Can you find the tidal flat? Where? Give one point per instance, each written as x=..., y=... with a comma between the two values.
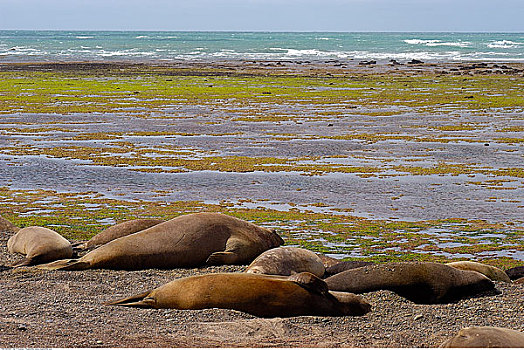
x=381, y=163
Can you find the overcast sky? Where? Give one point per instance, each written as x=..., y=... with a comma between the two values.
x=265, y=15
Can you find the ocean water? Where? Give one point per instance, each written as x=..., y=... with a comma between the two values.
x=27, y=46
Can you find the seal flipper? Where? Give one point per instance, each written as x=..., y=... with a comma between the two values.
x=310, y=282
x=222, y=258
x=66, y=264
x=139, y=300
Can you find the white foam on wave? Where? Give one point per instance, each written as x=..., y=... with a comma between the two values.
x=141, y=37
x=503, y=44
x=83, y=37
x=434, y=42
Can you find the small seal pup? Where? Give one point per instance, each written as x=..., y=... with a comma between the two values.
x=7, y=226
x=287, y=261
x=420, y=282
x=491, y=272
x=185, y=241
x=40, y=245
x=119, y=230
x=515, y=272
x=259, y=295
x=485, y=337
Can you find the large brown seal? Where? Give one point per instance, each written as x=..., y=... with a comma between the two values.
x=120, y=230
x=185, y=241
x=346, y=265
x=486, y=337
x=287, y=261
x=515, y=272
x=40, y=245
x=420, y=282
x=491, y=272
x=7, y=226
x=259, y=295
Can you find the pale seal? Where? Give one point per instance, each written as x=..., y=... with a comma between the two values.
x=491, y=272
x=259, y=295
x=420, y=282
x=185, y=241
x=486, y=337
x=40, y=245
x=120, y=230
x=286, y=261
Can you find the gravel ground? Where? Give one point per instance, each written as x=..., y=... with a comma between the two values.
x=65, y=309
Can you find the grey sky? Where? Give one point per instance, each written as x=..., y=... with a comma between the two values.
x=265, y=15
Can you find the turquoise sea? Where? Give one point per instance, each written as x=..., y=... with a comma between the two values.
x=27, y=46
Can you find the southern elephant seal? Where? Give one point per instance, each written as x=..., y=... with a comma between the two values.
x=346, y=265
x=491, y=272
x=120, y=230
x=259, y=295
x=515, y=272
x=420, y=282
x=519, y=280
x=485, y=337
x=185, y=241
x=40, y=245
x=7, y=226
x=286, y=261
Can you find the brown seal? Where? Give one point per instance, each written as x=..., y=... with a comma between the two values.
x=327, y=260
x=420, y=282
x=259, y=295
x=287, y=261
x=7, y=226
x=120, y=230
x=346, y=265
x=40, y=245
x=185, y=241
x=486, y=337
x=491, y=272
x=515, y=272
x=519, y=280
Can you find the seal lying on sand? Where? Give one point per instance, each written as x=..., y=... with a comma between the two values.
x=7, y=226
x=120, y=230
x=346, y=265
x=40, y=245
x=420, y=282
x=185, y=241
x=515, y=272
x=287, y=261
x=486, y=337
x=491, y=272
x=259, y=295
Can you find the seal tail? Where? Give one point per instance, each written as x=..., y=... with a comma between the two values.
x=23, y=262
x=66, y=264
x=139, y=300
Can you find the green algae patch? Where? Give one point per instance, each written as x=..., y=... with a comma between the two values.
x=79, y=216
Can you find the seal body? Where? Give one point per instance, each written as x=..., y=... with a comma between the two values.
x=287, y=261
x=185, y=241
x=40, y=245
x=420, y=282
x=7, y=226
x=491, y=272
x=346, y=265
x=120, y=230
x=486, y=337
x=259, y=295
x=515, y=272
